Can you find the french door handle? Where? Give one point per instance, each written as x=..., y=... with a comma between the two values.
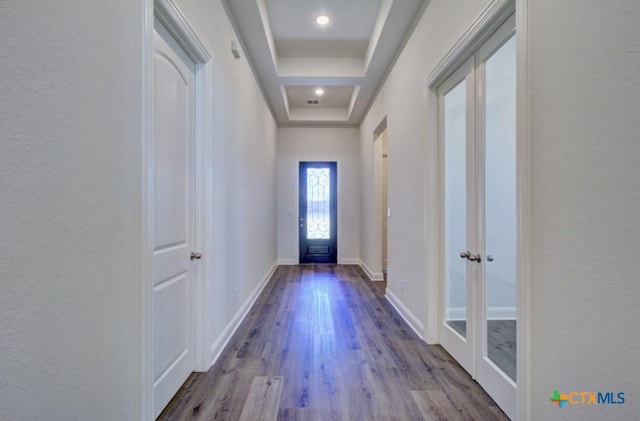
x=465, y=254
x=195, y=256
x=489, y=258
x=475, y=258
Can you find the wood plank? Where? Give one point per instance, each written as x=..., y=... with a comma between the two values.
x=263, y=400
x=435, y=405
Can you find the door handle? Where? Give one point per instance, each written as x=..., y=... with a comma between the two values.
x=489, y=258
x=475, y=258
x=465, y=254
x=195, y=256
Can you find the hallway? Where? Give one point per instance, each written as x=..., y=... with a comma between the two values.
x=321, y=342
x=84, y=197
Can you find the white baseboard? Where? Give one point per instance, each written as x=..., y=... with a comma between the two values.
x=501, y=313
x=224, y=338
x=413, y=322
x=372, y=275
x=493, y=313
x=343, y=261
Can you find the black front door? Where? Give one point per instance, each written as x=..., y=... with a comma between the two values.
x=318, y=209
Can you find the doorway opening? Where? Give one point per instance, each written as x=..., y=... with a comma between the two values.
x=382, y=170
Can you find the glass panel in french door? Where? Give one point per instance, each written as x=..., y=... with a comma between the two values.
x=455, y=196
x=500, y=207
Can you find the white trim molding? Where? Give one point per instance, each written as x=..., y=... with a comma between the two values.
x=349, y=261
x=493, y=313
x=480, y=30
x=523, y=157
x=414, y=323
x=170, y=15
x=374, y=276
x=287, y=262
x=221, y=342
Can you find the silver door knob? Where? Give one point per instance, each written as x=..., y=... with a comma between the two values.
x=195, y=256
x=475, y=258
x=465, y=254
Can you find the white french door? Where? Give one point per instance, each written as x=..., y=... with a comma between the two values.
x=477, y=109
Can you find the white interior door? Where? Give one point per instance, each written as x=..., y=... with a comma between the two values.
x=496, y=160
x=477, y=130
x=173, y=269
x=456, y=128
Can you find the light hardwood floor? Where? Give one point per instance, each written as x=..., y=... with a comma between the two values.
x=322, y=343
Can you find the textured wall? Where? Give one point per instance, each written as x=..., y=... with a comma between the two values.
x=585, y=149
x=70, y=232
x=70, y=226
x=318, y=144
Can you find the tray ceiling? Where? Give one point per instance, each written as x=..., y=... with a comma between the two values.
x=292, y=55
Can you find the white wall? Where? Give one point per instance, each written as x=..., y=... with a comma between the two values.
x=583, y=286
x=70, y=224
x=411, y=142
x=318, y=144
x=243, y=236
x=585, y=224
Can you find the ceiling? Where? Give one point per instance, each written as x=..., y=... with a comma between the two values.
x=292, y=56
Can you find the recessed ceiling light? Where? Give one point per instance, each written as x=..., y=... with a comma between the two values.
x=322, y=20
x=319, y=92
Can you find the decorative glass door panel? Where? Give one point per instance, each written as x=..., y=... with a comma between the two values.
x=318, y=212
x=318, y=203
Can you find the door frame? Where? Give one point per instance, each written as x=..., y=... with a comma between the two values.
x=470, y=351
x=174, y=21
x=475, y=35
